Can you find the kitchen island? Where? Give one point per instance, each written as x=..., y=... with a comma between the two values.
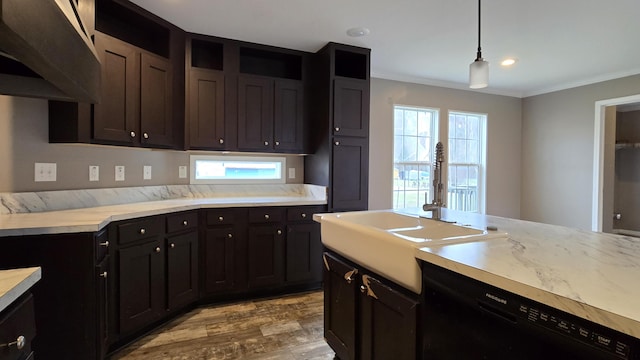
x=585, y=274
x=17, y=319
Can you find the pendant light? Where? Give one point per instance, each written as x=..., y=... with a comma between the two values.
x=479, y=69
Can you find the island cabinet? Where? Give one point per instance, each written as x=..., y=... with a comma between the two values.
x=18, y=329
x=72, y=300
x=367, y=316
x=339, y=134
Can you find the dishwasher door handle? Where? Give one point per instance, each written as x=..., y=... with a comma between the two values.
x=492, y=310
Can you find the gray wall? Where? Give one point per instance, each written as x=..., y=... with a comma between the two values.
x=558, y=148
x=503, y=143
x=24, y=133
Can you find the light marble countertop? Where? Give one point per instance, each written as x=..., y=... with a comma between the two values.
x=89, y=211
x=15, y=282
x=584, y=273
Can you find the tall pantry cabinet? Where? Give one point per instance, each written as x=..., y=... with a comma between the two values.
x=339, y=156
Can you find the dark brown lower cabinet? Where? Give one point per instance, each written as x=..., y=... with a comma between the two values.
x=17, y=321
x=266, y=256
x=366, y=316
x=303, y=253
x=182, y=270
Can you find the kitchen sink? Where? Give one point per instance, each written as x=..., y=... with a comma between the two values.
x=385, y=241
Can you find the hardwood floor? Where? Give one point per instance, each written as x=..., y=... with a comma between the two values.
x=283, y=328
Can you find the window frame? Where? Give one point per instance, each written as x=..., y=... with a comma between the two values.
x=281, y=160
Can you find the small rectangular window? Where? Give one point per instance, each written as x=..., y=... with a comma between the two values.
x=213, y=169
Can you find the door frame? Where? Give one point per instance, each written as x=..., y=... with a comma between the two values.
x=598, y=155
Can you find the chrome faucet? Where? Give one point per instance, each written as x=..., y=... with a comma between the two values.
x=438, y=203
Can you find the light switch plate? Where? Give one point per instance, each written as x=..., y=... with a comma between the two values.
x=119, y=173
x=292, y=173
x=182, y=172
x=146, y=172
x=94, y=173
x=45, y=172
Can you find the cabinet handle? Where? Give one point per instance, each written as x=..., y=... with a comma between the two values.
x=304, y=215
x=18, y=343
x=185, y=223
x=145, y=135
x=229, y=235
x=132, y=134
x=279, y=232
x=337, y=143
x=266, y=143
x=142, y=231
x=221, y=141
x=157, y=249
x=277, y=143
x=266, y=216
x=103, y=274
x=363, y=289
x=105, y=244
x=221, y=218
x=172, y=245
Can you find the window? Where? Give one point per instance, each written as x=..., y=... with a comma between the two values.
x=414, y=141
x=213, y=169
x=467, y=134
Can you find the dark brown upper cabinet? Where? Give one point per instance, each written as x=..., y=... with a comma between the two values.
x=351, y=107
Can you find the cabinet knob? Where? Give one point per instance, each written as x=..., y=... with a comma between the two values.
x=266, y=216
x=185, y=223
x=221, y=218
x=277, y=143
x=221, y=141
x=145, y=135
x=337, y=129
x=105, y=244
x=172, y=245
x=337, y=143
x=157, y=249
x=18, y=343
x=363, y=289
x=230, y=235
x=279, y=232
x=103, y=274
x=142, y=231
x=303, y=215
x=266, y=143
x=132, y=134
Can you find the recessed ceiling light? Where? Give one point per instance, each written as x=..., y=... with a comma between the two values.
x=358, y=31
x=508, y=61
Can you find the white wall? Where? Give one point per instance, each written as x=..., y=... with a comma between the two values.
x=557, y=151
x=503, y=143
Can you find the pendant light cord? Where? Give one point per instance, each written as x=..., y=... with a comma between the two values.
x=479, y=54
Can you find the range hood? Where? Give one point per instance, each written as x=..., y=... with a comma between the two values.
x=45, y=51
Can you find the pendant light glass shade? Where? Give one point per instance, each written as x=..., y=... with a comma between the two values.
x=479, y=74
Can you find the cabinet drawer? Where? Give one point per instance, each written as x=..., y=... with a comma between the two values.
x=18, y=321
x=141, y=229
x=266, y=215
x=182, y=221
x=102, y=245
x=221, y=217
x=303, y=213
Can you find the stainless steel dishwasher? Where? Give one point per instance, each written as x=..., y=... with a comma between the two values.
x=467, y=319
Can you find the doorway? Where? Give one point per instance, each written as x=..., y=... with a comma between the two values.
x=616, y=190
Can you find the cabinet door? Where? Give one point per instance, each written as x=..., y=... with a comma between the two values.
x=182, y=269
x=388, y=321
x=351, y=107
x=288, y=116
x=266, y=256
x=156, y=99
x=116, y=116
x=219, y=259
x=206, y=109
x=255, y=113
x=141, y=285
x=103, y=307
x=303, y=253
x=340, y=302
x=350, y=169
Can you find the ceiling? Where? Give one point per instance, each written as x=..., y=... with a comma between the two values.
x=558, y=43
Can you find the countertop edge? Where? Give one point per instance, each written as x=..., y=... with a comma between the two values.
x=15, y=282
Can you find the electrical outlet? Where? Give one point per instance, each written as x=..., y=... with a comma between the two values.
x=119, y=173
x=94, y=173
x=182, y=172
x=292, y=173
x=146, y=172
x=45, y=172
